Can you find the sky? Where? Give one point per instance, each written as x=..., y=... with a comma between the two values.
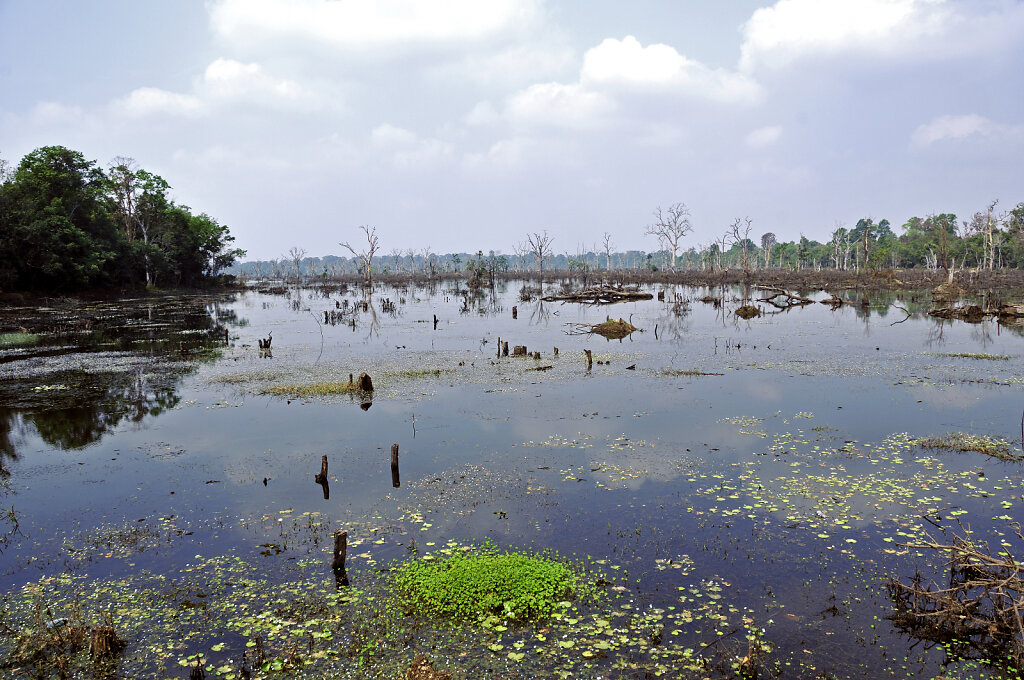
x=464, y=125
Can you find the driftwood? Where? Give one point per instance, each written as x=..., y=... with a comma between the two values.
x=1011, y=311
x=965, y=313
x=788, y=299
x=979, y=614
x=600, y=296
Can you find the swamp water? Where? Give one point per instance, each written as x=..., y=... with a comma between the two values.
x=738, y=493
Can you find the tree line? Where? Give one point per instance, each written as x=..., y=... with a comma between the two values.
x=66, y=224
x=990, y=239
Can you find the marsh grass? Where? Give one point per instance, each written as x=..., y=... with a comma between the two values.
x=316, y=389
x=964, y=442
x=974, y=355
x=472, y=586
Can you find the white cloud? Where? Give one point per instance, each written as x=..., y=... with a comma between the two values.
x=389, y=135
x=359, y=24
x=560, y=105
x=405, y=149
x=790, y=29
x=628, y=63
x=483, y=113
x=49, y=113
x=765, y=136
x=505, y=153
x=955, y=128
x=227, y=78
x=147, y=101
x=224, y=81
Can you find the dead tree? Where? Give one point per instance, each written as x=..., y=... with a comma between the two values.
x=540, y=246
x=739, y=233
x=670, y=225
x=295, y=255
x=366, y=256
x=607, y=243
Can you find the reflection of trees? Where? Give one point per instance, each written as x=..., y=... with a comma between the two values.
x=72, y=409
x=75, y=425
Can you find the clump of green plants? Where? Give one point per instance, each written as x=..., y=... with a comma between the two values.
x=964, y=442
x=476, y=584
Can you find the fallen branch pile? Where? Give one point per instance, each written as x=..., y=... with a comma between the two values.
x=979, y=615
x=788, y=299
x=601, y=296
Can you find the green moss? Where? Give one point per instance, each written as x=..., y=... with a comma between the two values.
x=474, y=585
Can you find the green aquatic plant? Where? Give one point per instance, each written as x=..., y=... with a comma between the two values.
x=476, y=584
x=17, y=339
x=964, y=442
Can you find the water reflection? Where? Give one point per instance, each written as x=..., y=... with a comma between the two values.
x=101, y=365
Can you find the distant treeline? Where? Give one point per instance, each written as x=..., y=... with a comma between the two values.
x=989, y=240
x=68, y=225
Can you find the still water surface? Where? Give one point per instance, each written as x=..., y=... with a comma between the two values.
x=775, y=458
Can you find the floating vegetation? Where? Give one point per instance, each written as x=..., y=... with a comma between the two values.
x=18, y=339
x=748, y=312
x=672, y=372
x=964, y=442
x=317, y=389
x=973, y=355
x=474, y=585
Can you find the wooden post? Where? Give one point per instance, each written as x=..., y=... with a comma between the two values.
x=499, y=347
x=519, y=351
x=338, y=563
x=435, y=322
x=556, y=351
x=340, y=550
x=515, y=312
x=504, y=349
x=321, y=478
x=536, y=355
x=590, y=359
x=395, y=480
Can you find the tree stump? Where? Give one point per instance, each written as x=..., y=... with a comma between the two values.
x=515, y=312
x=504, y=349
x=519, y=351
x=365, y=384
x=395, y=478
x=590, y=359
x=321, y=477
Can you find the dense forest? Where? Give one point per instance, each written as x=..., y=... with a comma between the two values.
x=67, y=224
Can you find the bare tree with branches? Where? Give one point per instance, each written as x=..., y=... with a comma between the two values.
x=295, y=255
x=739, y=233
x=540, y=246
x=607, y=243
x=670, y=225
x=366, y=256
